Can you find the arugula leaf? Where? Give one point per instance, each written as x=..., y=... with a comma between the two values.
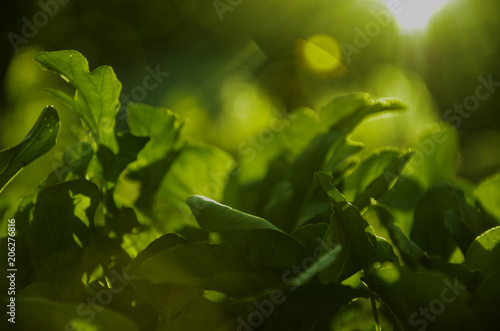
x=347, y=263
x=303, y=126
x=97, y=93
x=347, y=111
x=443, y=219
x=407, y=292
x=324, y=261
x=208, y=266
x=435, y=158
x=42, y=314
x=309, y=234
x=197, y=169
x=312, y=304
x=359, y=232
x=265, y=245
x=484, y=253
x=374, y=177
x=411, y=253
x=62, y=225
x=429, y=229
x=183, y=307
x=326, y=151
x=161, y=125
x=488, y=192
x=41, y=138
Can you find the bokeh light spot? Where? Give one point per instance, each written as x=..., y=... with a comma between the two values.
x=322, y=55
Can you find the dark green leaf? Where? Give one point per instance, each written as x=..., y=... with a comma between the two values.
x=429, y=230
x=374, y=177
x=359, y=232
x=412, y=295
x=208, y=266
x=41, y=314
x=260, y=241
x=40, y=139
x=411, y=253
x=310, y=233
x=62, y=224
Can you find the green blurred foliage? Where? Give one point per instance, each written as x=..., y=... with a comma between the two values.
x=256, y=82
x=229, y=68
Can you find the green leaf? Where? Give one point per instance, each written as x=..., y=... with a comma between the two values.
x=338, y=157
x=346, y=112
x=347, y=262
x=62, y=224
x=73, y=165
x=300, y=130
x=309, y=234
x=106, y=254
x=160, y=124
x=484, y=253
x=216, y=217
x=411, y=253
x=198, y=169
x=374, y=177
x=41, y=138
x=435, y=158
x=327, y=151
x=182, y=307
x=310, y=304
x=385, y=251
x=208, y=266
x=165, y=242
x=261, y=242
x=488, y=192
x=96, y=98
x=359, y=232
x=443, y=212
x=429, y=230
x=41, y=314
x=468, y=221
x=194, y=169
x=324, y=261
x=155, y=159
x=109, y=168
x=409, y=295
x=488, y=291
x=113, y=164
x=166, y=299
x=286, y=213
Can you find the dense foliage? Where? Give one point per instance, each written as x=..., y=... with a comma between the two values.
x=324, y=240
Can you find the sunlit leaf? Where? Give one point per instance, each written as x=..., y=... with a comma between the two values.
x=488, y=191
x=96, y=98
x=484, y=253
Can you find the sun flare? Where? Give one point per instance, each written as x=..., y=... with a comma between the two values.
x=414, y=14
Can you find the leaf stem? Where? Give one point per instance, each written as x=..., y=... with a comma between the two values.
x=375, y=314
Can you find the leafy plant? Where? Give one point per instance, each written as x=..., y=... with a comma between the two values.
x=323, y=241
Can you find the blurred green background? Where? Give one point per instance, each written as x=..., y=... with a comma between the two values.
x=235, y=64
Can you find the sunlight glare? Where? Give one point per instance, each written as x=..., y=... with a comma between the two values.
x=414, y=14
